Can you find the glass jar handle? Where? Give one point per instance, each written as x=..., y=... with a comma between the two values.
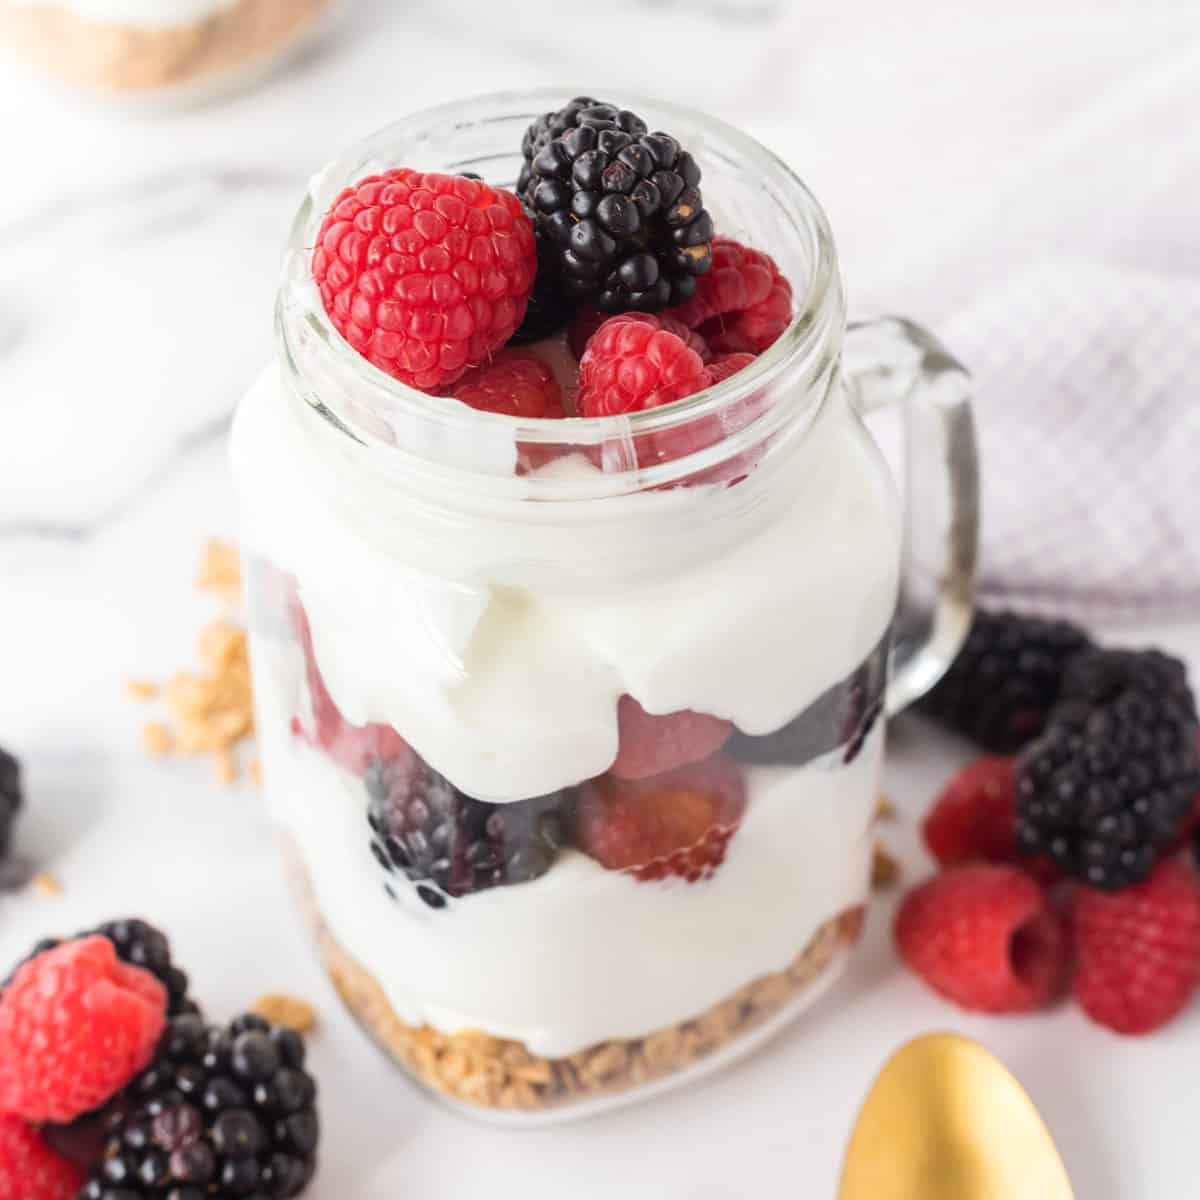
x=892, y=362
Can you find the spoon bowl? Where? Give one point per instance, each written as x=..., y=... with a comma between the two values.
x=946, y=1120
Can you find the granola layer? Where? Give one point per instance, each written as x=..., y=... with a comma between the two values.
x=122, y=58
x=495, y=1073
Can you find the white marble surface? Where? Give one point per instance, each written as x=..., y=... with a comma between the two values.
x=137, y=258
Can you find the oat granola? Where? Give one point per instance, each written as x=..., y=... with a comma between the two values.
x=885, y=870
x=220, y=570
x=288, y=1011
x=496, y=1073
x=211, y=709
x=46, y=885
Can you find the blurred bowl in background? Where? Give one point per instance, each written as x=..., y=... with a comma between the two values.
x=178, y=49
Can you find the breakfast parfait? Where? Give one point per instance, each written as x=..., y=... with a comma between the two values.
x=131, y=46
x=573, y=573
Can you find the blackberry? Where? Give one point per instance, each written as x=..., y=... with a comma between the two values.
x=10, y=799
x=548, y=311
x=841, y=718
x=1105, y=790
x=618, y=210
x=219, y=1112
x=1101, y=677
x=1000, y=689
x=449, y=843
x=138, y=943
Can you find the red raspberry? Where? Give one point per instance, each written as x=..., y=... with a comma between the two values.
x=358, y=746
x=985, y=936
x=588, y=320
x=752, y=331
x=29, y=1169
x=678, y=823
x=974, y=817
x=652, y=744
x=353, y=747
x=1137, y=951
x=425, y=274
x=76, y=1024
x=328, y=723
x=636, y=361
x=742, y=304
x=515, y=383
x=617, y=375
x=725, y=365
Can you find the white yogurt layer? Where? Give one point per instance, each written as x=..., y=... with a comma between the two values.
x=498, y=639
x=135, y=14
x=583, y=954
x=503, y=663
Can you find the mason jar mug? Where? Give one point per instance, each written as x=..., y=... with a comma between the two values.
x=573, y=728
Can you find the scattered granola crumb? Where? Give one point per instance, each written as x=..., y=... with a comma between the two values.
x=46, y=885
x=291, y=1011
x=224, y=768
x=214, y=709
x=211, y=710
x=142, y=689
x=156, y=738
x=220, y=570
x=255, y=771
x=884, y=809
x=221, y=644
x=885, y=870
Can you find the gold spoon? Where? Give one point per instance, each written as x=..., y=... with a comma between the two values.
x=946, y=1120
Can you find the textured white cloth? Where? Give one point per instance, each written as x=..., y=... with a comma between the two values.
x=1088, y=395
x=1074, y=299
x=1033, y=197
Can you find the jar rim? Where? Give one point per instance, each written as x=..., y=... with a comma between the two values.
x=803, y=346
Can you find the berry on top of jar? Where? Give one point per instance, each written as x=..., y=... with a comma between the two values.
x=433, y=278
x=618, y=208
x=424, y=274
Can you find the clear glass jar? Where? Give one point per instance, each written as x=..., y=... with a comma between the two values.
x=176, y=49
x=462, y=623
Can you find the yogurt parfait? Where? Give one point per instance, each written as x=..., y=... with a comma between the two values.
x=575, y=583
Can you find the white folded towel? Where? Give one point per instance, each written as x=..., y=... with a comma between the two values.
x=1088, y=393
